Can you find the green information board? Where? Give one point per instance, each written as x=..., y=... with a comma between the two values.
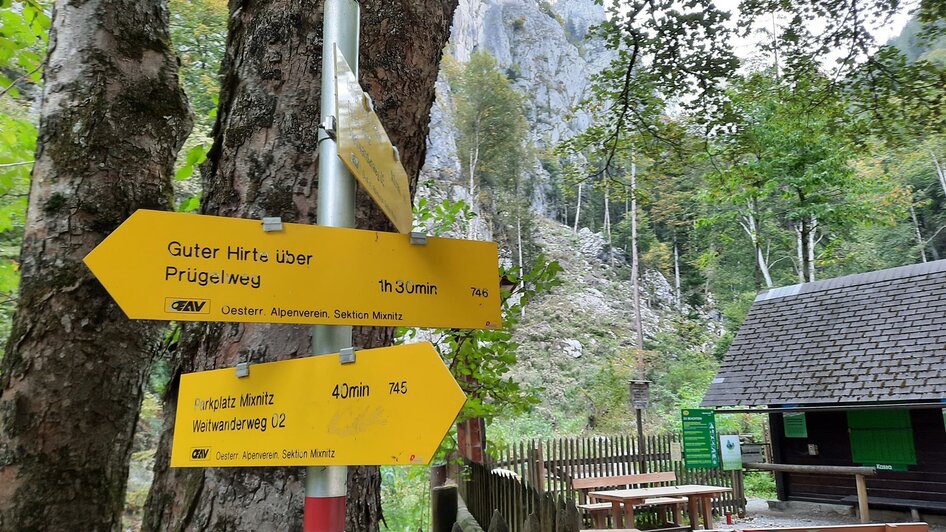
x=795, y=425
x=882, y=439
x=700, y=450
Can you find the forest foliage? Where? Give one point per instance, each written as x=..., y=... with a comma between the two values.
x=790, y=166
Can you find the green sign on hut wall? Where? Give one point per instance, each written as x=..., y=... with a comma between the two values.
x=796, y=426
x=882, y=439
x=700, y=450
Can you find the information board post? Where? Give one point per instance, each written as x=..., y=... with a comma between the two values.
x=326, y=487
x=640, y=400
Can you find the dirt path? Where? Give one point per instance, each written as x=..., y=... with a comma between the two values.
x=801, y=515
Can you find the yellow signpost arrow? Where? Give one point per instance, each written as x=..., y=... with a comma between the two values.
x=187, y=267
x=367, y=152
x=392, y=406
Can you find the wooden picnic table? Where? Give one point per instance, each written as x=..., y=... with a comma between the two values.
x=699, y=500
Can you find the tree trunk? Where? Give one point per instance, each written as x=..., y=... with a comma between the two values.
x=805, y=231
x=751, y=227
x=578, y=205
x=111, y=122
x=919, y=236
x=676, y=273
x=812, y=233
x=607, y=218
x=635, y=272
x=940, y=173
x=474, y=158
x=264, y=163
x=800, y=252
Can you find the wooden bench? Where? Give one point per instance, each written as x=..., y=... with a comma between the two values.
x=599, y=511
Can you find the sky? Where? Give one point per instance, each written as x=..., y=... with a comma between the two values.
x=747, y=47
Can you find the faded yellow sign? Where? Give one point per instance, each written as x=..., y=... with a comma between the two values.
x=188, y=267
x=366, y=150
x=392, y=406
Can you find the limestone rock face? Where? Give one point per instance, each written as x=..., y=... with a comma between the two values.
x=544, y=50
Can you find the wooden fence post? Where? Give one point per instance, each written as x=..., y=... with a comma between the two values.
x=537, y=466
x=443, y=502
x=532, y=524
x=572, y=517
x=497, y=523
x=739, y=491
x=863, y=507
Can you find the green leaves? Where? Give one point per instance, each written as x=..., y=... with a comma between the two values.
x=23, y=32
x=190, y=204
x=194, y=158
x=24, y=26
x=482, y=359
x=442, y=217
x=199, y=34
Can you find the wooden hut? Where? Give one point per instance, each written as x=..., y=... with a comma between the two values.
x=850, y=371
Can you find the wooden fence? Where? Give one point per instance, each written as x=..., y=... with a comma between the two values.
x=515, y=478
x=507, y=502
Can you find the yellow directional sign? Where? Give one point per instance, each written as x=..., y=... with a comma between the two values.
x=187, y=267
x=365, y=149
x=391, y=406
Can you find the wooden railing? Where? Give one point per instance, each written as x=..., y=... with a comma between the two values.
x=517, y=478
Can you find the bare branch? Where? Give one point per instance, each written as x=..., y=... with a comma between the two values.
x=21, y=78
x=11, y=165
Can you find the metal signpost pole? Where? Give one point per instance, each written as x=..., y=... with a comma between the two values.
x=326, y=487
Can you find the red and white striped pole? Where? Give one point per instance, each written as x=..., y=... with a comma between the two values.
x=325, y=492
x=326, y=487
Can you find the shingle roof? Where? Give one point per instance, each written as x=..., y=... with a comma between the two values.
x=878, y=336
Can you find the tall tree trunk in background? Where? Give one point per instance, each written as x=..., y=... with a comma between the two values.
x=112, y=120
x=750, y=225
x=264, y=163
x=805, y=241
x=919, y=236
x=635, y=271
x=800, y=252
x=607, y=217
x=578, y=205
x=940, y=173
x=676, y=273
x=812, y=241
x=473, y=162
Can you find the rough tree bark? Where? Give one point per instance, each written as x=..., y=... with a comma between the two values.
x=264, y=163
x=113, y=117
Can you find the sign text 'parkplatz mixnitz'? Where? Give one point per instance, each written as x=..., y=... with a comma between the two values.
x=392, y=406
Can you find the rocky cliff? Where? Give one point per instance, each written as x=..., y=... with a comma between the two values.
x=544, y=49
x=576, y=342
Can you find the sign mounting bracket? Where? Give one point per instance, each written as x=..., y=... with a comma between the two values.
x=272, y=224
x=347, y=355
x=418, y=238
